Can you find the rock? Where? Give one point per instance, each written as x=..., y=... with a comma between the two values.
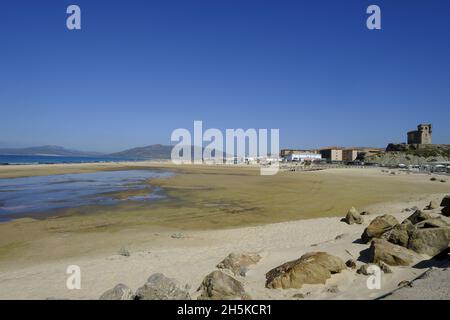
x=159, y=287
x=364, y=269
x=353, y=216
x=378, y=226
x=298, y=296
x=311, y=268
x=400, y=234
x=393, y=255
x=418, y=216
x=430, y=241
x=366, y=213
x=220, y=286
x=446, y=211
x=178, y=235
x=435, y=222
x=119, y=292
x=384, y=267
x=432, y=205
x=445, y=201
x=124, y=252
x=433, y=179
x=238, y=263
x=351, y=263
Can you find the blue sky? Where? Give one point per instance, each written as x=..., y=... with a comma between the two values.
x=139, y=69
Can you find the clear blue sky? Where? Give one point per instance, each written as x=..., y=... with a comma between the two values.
x=139, y=69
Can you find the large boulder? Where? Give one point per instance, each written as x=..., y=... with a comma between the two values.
x=311, y=268
x=219, y=286
x=159, y=287
x=353, y=216
x=119, y=292
x=393, y=255
x=418, y=216
x=378, y=226
x=434, y=222
x=238, y=263
x=400, y=234
x=445, y=201
x=430, y=241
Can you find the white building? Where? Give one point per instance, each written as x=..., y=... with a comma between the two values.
x=302, y=157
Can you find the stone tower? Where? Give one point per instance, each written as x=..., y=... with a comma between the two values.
x=421, y=136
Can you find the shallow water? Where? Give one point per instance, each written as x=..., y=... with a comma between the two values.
x=21, y=196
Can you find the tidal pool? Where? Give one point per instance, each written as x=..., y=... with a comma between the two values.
x=20, y=197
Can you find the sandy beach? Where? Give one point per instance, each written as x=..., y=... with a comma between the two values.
x=280, y=218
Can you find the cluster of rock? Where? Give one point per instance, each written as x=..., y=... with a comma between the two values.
x=391, y=244
x=218, y=285
x=157, y=287
x=421, y=232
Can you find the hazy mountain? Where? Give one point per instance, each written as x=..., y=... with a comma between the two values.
x=47, y=150
x=155, y=151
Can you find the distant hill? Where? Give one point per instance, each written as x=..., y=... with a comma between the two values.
x=48, y=151
x=155, y=151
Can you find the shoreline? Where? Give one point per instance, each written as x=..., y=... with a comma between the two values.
x=216, y=210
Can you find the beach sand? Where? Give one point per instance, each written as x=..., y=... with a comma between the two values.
x=281, y=218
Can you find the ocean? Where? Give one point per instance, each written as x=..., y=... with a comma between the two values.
x=42, y=196
x=42, y=159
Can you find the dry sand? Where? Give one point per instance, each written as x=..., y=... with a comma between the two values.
x=36, y=267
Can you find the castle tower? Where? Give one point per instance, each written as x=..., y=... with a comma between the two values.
x=421, y=136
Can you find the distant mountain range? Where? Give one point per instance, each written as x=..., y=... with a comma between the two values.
x=156, y=151
x=47, y=151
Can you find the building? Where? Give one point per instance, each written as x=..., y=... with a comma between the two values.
x=333, y=154
x=302, y=157
x=421, y=136
x=349, y=155
x=285, y=152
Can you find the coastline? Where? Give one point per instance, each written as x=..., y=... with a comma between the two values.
x=187, y=237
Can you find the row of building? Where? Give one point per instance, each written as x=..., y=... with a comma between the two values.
x=328, y=154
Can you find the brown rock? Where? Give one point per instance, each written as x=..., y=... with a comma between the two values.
x=353, y=216
x=418, y=216
x=378, y=226
x=400, y=234
x=435, y=222
x=220, y=286
x=430, y=241
x=311, y=268
x=351, y=263
x=393, y=255
x=237, y=262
